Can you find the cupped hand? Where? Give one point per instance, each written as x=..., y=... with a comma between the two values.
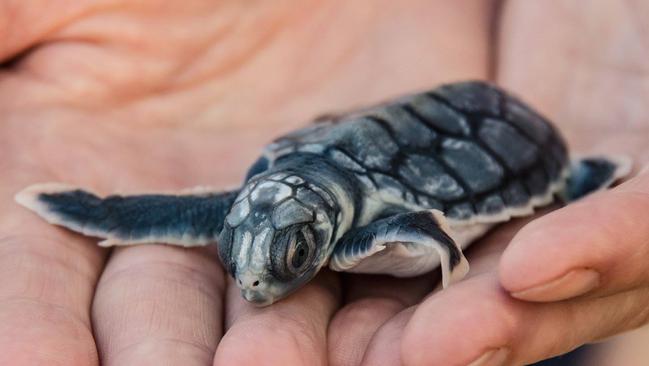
x=573, y=276
x=152, y=96
x=65, y=301
x=157, y=96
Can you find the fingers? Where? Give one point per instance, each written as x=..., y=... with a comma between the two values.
x=369, y=329
x=292, y=331
x=159, y=304
x=580, y=249
x=484, y=325
x=371, y=301
x=477, y=320
x=385, y=347
x=598, y=246
x=47, y=279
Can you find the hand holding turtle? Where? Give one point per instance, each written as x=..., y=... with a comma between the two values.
x=578, y=274
x=78, y=110
x=296, y=326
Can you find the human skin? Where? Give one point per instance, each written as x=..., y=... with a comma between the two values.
x=154, y=95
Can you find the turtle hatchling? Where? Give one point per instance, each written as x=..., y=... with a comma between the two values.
x=399, y=188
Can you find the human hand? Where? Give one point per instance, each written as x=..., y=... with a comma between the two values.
x=151, y=96
x=143, y=310
x=587, y=72
x=65, y=301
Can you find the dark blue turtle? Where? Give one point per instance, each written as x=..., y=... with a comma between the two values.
x=399, y=188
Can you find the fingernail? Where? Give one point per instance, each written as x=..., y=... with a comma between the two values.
x=574, y=283
x=494, y=357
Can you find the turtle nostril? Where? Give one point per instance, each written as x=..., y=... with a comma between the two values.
x=255, y=284
x=240, y=282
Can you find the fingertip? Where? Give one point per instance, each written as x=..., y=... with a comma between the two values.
x=353, y=326
x=158, y=304
x=384, y=349
x=265, y=343
x=292, y=331
x=452, y=320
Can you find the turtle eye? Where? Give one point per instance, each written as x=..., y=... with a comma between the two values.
x=300, y=251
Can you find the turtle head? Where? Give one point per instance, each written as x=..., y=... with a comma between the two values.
x=276, y=236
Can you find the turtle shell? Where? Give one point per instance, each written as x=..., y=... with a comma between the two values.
x=469, y=149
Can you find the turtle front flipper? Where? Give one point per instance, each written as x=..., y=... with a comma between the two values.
x=402, y=245
x=183, y=219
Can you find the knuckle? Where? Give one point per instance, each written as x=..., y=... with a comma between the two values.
x=494, y=310
x=160, y=266
x=362, y=311
x=272, y=339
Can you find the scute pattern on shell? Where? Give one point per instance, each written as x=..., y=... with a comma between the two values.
x=467, y=148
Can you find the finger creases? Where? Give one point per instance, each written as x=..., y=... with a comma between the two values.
x=597, y=246
x=370, y=302
x=158, y=304
x=47, y=278
x=292, y=331
x=476, y=318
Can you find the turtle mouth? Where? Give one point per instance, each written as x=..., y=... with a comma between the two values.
x=257, y=298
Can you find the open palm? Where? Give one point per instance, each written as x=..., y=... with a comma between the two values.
x=153, y=95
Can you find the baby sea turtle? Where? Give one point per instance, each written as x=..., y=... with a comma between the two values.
x=398, y=188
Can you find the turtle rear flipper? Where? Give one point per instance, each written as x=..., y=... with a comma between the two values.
x=403, y=245
x=591, y=174
x=184, y=219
